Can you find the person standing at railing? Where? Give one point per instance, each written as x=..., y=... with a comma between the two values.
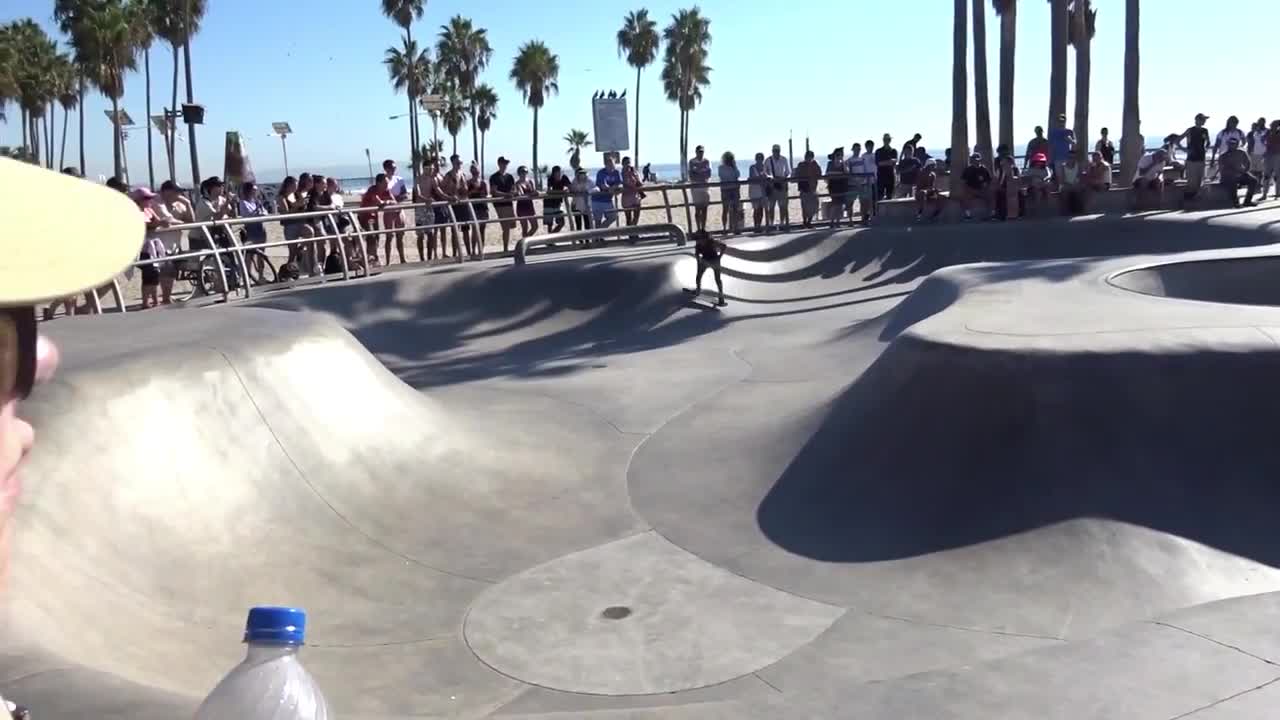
x=886, y=159
x=1256, y=144
x=525, y=193
x=371, y=198
x=478, y=190
x=1271, y=163
x=808, y=172
x=212, y=205
x=253, y=233
x=580, y=201
x=758, y=191
x=699, y=194
x=779, y=206
x=632, y=193
x=908, y=169
x=454, y=187
x=838, y=186
x=152, y=248
x=730, y=193
x=862, y=174
x=559, y=186
x=1037, y=144
x=423, y=217
x=502, y=187
x=608, y=184
x=1106, y=147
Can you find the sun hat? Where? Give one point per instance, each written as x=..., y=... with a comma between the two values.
x=50, y=253
x=141, y=193
x=1040, y=157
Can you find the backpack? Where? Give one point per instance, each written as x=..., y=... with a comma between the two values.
x=288, y=271
x=333, y=264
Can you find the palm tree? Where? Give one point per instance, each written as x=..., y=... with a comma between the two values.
x=1008, y=12
x=33, y=54
x=409, y=69
x=454, y=115
x=110, y=25
x=68, y=98
x=1131, y=136
x=144, y=12
x=685, y=71
x=983, y=108
x=486, y=104
x=535, y=72
x=959, y=96
x=638, y=40
x=1059, y=16
x=8, y=69
x=1084, y=20
x=576, y=140
x=464, y=52
x=70, y=16
x=403, y=13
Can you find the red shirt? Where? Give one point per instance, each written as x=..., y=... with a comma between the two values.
x=371, y=198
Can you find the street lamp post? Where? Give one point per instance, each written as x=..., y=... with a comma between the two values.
x=283, y=130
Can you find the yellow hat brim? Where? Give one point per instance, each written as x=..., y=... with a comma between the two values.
x=60, y=235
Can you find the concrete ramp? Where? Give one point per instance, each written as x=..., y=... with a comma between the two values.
x=930, y=472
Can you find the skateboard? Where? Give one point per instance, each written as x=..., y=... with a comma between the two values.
x=695, y=297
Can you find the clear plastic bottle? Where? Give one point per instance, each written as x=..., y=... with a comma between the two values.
x=270, y=684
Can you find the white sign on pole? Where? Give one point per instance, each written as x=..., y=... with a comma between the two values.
x=611, y=130
x=432, y=103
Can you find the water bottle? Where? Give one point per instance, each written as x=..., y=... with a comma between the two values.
x=270, y=684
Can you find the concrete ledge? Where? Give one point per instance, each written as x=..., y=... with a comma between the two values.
x=1116, y=201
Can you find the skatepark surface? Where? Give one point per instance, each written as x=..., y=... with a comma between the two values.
x=981, y=471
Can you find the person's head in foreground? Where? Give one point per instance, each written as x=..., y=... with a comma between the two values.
x=808, y=155
x=856, y=149
x=1105, y=132
x=169, y=190
x=975, y=160
x=727, y=159
x=580, y=173
x=455, y=162
x=502, y=164
x=85, y=249
x=330, y=184
x=698, y=152
x=759, y=158
x=380, y=181
x=248, y=189
x=777, y=150
x=389, y=167
x=1232, y=122
x=142, y=197
x=626, y=163
x=522, y=172
x=1275, y=124
x=1039, y=131
x=555, y=172
x=869, y=146
x=887, y=139
x=1200, y=118
x=475, y=171
x=608, y=160
x=305, y=183
x=1095, y=157
x=837, y=155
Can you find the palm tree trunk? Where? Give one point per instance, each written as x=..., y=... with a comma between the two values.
x=536, y=181
x=483, y=167
x=1131, y=141
x=80, y=106
x=22, y=120
x=191, y=128
x=171, y=126
x=48, y=132
x=415, y=149
x=1008, y=45
x=1082, y=82
x=62, y=151
x=455, y=143
x=959, y=95
x=475, y=135
x=980, y=95
x=636, y=151
x=115, y=132
x=1058, y=67
x=151, y=166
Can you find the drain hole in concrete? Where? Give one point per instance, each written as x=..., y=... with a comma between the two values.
x=617, y=612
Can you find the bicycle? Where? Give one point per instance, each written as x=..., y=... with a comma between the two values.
x=202, y=273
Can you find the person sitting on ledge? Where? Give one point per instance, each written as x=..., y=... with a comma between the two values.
x=1235, y=174
x=1038, y=178
x=977, y=187
x=926, y=185
x=1148, y=181
x=1071, y=186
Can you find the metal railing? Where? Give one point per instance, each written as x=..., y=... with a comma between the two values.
x=354, y=238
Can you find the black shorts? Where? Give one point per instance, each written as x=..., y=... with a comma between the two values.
x=462, y=212
x=441, y=215
x=150, y=274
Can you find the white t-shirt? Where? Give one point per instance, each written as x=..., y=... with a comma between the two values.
x=1149, y=168
x=1220, y=142
x=1259, y=143
x=396, y=185
x=777, y=167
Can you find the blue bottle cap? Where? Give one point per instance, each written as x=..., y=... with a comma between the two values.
x=270, y=624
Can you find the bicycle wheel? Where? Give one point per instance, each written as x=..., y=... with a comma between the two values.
x=252, y=258
x=206, y=276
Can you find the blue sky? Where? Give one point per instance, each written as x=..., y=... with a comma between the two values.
x=836, y=70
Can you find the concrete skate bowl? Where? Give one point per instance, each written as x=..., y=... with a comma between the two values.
x=587, y=532
x=1239, y=280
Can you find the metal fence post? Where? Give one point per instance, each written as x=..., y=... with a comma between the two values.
x=666, y=202
x=688, y=214
x=217, y=258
